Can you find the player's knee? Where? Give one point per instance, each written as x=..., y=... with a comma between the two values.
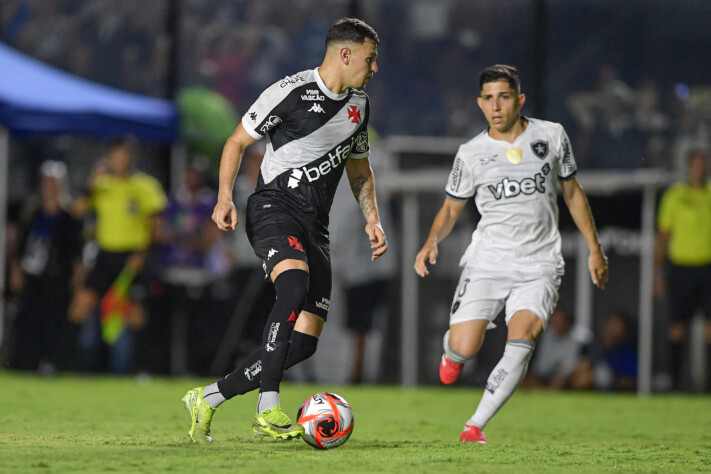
x=457, y=350
x=291, y=287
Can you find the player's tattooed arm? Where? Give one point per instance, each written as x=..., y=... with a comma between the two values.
x=360, y=176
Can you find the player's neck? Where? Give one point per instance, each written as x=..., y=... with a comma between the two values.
x=331, y=78
x=512, y=133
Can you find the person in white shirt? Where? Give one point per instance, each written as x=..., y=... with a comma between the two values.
x=514, y=262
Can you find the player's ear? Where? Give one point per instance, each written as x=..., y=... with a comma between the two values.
x=480, y=103
x=521, y=100
x=346, y=55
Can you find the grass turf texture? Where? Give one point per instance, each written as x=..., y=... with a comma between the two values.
x=91, y=424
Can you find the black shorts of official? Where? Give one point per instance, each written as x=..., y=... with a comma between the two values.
x=689, y=291
x=361, y=303
x=277, y=231
x=107, y=267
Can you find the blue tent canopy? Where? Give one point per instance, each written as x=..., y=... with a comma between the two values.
x=38, y=99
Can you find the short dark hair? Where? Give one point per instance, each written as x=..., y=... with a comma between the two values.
x=501, y=72
x=351, y=29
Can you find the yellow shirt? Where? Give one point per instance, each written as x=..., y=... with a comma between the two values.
x=685, y=213
x=123, y=210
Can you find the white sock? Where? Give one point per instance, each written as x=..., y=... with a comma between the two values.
x=267, y=401
x=451, y=354
x=212, y=395
x=503, y=380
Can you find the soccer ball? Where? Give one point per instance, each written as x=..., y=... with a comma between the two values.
x=327, y=419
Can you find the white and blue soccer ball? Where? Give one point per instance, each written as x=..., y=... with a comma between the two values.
x=327, y=419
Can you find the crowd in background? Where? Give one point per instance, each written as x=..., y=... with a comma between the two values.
x=618, y=116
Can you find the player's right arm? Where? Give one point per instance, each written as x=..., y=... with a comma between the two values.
x=225, y=213
x=441, y=227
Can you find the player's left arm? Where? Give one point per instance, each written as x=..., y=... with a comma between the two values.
x=360, y=177
x=579, y=208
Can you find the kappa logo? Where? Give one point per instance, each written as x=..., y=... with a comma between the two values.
x=317, y=108
x=271, y=253
x=353, y=114
x=271, y=122
x=253, y=116
x=295, y=244
x=540, y=148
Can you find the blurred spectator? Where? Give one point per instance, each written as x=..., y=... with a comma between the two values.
x=42, y=274
x=366, y=284
x=611, y=364
x=191, y=258
x=126, y=205
x=556, y=356
x=684, y=243
x=605, y=121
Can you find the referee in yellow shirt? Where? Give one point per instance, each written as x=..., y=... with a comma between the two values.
x=126, y=204
x=684, y=238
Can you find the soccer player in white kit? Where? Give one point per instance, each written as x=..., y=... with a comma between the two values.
x=514, y=262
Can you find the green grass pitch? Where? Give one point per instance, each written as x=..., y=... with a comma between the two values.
x=97, y=424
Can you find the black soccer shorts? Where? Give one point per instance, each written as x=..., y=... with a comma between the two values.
x=279, y=231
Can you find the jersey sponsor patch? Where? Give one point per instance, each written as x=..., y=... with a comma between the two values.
x=271, y=122
x=361, y=142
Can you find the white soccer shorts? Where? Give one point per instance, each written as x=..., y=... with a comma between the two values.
x=483, y=294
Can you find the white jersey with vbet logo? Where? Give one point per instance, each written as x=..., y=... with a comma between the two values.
x=515, y=188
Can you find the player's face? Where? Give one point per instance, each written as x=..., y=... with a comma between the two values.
x=362, y=64
x=500, y=105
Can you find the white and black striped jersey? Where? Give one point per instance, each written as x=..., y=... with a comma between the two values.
x=311, y=132
x=515, y=185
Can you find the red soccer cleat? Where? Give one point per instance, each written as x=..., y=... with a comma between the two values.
x=472, y=434
x=449, y=371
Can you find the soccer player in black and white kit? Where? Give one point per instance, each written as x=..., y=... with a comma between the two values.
x=514, y=262
x=316, y=125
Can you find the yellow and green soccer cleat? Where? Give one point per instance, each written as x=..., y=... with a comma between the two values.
x=275, y=424
x=200, y=415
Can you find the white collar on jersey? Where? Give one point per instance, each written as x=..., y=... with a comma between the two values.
x=326, y=90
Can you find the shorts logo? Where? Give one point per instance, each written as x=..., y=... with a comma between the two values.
x=271, y=253
x=324, y=304
x=540, y=148
x=353, y=114
x=292, y=318
x=295, y=244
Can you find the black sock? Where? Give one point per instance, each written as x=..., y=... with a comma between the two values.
x=291, y=287
x=248, y=376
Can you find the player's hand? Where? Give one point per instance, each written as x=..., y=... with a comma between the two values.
x=225, y=215
x=428, y=253
x=597, y=264
x=378, y=242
